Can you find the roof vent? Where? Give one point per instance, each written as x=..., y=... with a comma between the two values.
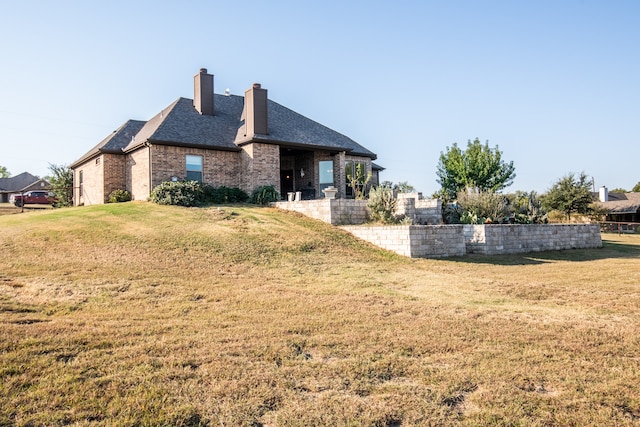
x=227, y=92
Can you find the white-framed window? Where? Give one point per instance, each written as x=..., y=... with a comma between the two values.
x=194, y=168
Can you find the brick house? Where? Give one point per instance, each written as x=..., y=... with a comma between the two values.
x=20, y=184
x=222, y=140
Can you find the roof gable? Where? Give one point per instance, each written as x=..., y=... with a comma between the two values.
x=115, y=142
x=182, y=125
x=18, y=182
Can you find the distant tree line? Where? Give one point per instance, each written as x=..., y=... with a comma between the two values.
x=471, y=181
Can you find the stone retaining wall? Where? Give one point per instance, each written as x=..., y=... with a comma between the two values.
x=349, y=211
x=497, y=239
x=436, y=241
x=420, y=211
x=332, y=211
x=416, y=241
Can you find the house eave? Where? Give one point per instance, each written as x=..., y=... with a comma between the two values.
x=624, y=211
x=92, y=155
x=187, y=145
x=298, y=145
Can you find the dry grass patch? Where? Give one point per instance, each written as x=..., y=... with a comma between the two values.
x=148, y=315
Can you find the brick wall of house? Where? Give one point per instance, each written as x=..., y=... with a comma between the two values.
x=319, y=156
x=92, y=191
x=339, y=178
x=260, y=164
x=338, y=175
x=219, y=168
x=138, y=176
x=114, y=167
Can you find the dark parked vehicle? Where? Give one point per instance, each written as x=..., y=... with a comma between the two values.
x=34, y=198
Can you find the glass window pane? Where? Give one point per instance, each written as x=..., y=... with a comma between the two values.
x=360, y=172
x=348, y=169
x=326, y=172
x=348, y=174
x=194, y=176
x=194, y=168
x=194, y=163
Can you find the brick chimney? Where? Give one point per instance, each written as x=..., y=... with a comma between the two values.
x=203, y=92
x=255, y=104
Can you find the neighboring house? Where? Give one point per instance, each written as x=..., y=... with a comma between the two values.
x=19, y=184
x=221, y=140
x=621, y=207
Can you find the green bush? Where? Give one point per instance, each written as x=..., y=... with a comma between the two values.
x=118, y=196
x=180, y=193
x=480, y=207
x=526, y=208
x=224, y=195
x=264, y=195
x=382, y=205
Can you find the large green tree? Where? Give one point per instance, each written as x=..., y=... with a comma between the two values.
x=478, y=166
x=570, y=194
x=4, y=173
x=636, y=188
x=61, y=180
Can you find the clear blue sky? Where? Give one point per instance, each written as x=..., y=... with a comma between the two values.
x=555, y=84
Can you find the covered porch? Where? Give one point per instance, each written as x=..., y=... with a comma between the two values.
x=308, y=172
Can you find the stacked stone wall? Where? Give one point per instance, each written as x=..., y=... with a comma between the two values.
x=435, y=241
x=501, y=239
x=420, y=211
x=332, y=211
x=416, y=241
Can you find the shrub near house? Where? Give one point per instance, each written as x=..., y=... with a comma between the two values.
x=193, y=193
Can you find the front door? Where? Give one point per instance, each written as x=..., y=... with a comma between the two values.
x=286, y=183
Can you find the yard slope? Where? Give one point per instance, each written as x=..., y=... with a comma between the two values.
x=151, y=315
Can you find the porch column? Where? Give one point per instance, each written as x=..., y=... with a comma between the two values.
x=338, y=174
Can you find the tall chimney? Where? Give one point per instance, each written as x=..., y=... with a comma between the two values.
x=255, y=101
x=203, y=92
x=604, y=194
